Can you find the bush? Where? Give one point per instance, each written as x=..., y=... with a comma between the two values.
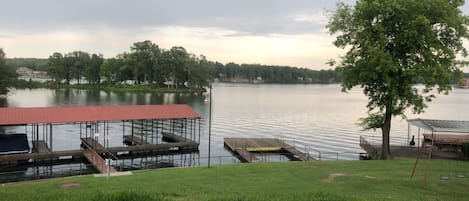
x=465, y=149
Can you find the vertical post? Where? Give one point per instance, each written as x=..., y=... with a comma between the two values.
x=199, y=132
x=209, y=123
x=108, y=164
x=418, y=136
x=50, y=138
x=80, y=130
x=427, y=163
x=408, y=134
x=107, y=134
x=132, y=130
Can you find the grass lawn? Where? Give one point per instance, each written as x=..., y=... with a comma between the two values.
x=316, y=180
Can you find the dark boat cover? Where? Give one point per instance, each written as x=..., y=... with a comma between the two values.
x=13, y=143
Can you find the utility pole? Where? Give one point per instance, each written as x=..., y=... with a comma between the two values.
x=209, y=124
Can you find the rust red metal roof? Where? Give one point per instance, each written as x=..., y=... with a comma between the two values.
x=21, y=116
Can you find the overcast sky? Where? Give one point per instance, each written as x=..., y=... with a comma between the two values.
x=276, y=32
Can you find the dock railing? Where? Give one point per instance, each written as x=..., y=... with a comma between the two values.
x=368, y=147
x=178, y=160
x=322, y=155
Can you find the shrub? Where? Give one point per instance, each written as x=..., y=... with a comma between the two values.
x=465, y=149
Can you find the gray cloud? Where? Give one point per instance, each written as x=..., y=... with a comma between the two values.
x=245, y=16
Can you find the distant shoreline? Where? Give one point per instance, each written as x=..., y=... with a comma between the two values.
x=23, y=84
x=105, y=87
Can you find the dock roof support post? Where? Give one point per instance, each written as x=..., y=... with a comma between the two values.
x=199, y=131
x=50, y=138
x=408, y=134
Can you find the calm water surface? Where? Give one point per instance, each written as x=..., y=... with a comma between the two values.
x=316, y=118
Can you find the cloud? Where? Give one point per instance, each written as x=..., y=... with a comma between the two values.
x=246, y=16
x=274, y=32
x=302, y=50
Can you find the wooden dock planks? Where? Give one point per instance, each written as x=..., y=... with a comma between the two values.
x=244, y=146
x=298, y=154
x=169, y=137
x=247, y=156
x=98, y=162
x=132, y=140
x=41, y=156
x=42, y=153
x=40, y=146
x=91, y=143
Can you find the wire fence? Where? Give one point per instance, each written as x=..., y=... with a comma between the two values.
x=43, y=171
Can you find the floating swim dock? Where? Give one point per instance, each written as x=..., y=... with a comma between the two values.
x=245, y=147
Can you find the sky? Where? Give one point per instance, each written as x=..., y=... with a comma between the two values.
x=271, y=32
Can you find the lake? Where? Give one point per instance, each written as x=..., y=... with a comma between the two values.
x=319, y=119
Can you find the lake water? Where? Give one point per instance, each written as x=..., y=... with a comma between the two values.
x=319, y=119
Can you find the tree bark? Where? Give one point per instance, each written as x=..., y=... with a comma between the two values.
x=386, y=128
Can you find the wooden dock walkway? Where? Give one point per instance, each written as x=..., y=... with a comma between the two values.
x=132, y=140
x=41, y=156
x=40, y=146
x=298, y=154
x=91, y=154
x=90, y=143
x=169, y=137
x=245, y=146
x=41, y=151
x=98, y=162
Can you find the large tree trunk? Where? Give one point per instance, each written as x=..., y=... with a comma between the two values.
x=386, y=128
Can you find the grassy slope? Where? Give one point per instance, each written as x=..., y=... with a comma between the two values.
x=361, y=180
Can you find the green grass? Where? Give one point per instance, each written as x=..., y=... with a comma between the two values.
x=354, y=180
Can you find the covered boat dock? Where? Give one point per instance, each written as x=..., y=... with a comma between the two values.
x=153, y=129
x=440, y=139
x=442, y=134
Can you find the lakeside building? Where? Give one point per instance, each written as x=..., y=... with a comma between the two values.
x=26, y=73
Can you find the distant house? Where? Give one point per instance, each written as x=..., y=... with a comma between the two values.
x=24, y=72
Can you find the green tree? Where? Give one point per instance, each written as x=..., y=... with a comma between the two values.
x=112, y=70
x=76, y=63
x=92, y=70
x=7, y=74
x=179, y=65
x=55, y=67
x=392, y=43
x=145, y=66
x=199, y=72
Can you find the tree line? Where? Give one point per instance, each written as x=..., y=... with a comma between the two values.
x=233, y=72
x=145, y=64
x=148, y=64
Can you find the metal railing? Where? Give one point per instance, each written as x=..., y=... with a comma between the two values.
x=44, y=171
